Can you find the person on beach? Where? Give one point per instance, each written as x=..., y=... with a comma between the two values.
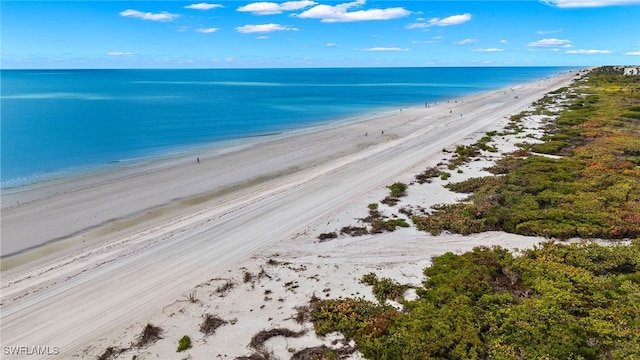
x=198, y=160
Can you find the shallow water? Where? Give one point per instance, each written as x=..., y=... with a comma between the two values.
x=57, y=123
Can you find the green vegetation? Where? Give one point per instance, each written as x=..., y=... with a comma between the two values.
x=464, y=153
x=184, y=343
x=578, y=301
x=592, y=191
x=482, y=144
x=398, y=189
x=380, y=225
x=384, y=289
x=428, y=174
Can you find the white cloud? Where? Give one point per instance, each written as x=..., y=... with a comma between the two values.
x=341, y=13
x=207, y=30
x=417, y=26
x=588, y=3
x=633, y=53
x=448, y=21
x=451, y=20
x=162, y=16
x=331, y=44
x=549, y=42
x=465, y=42
x=270, y=8
x=382, y=49
x=203, y=6
x=544, y=32
x=264, y=28
x=488, y=50
x=119, y=53
x=263, y=37
x=589, y=52
x=503, y=41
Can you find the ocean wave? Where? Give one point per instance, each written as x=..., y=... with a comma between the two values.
x=276, y=84
x=55, y=95
x=81, y=96
x=228, y=83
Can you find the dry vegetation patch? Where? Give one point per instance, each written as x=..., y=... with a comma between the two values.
x=149, y=335
x=210, y=324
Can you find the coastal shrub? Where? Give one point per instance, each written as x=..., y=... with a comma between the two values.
x=373, y=212
x=398, y=189
x=353, y=317
x=592, y=191
x=425, y=176
x=184, y=343
x=390, y=201
x=559, y=90
x=463, y=155
x=323, y=352
x=369, y=278
x=354, y=230
x=482, y=144
x=380, y=225
x=467, y=151
x=506, y=164
x=384, y=289
x=327, y=236
x=554, y=301
x=457, y=218
x=631, y=115
x=473, y=184
x=549, y=147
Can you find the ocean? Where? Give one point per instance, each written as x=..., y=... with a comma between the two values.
x=57, y=123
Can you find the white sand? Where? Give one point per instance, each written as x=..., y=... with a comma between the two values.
x=137, y=242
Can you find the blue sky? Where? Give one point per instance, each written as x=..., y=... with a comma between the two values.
x=318, y=33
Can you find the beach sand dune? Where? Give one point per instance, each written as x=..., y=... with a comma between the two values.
x=133, y=242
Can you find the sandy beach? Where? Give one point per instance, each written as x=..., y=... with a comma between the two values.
x=97, y=258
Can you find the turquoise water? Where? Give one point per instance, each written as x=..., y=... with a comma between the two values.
x=61, y=122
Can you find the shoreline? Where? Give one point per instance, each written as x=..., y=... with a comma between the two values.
x=169, y=153
x=29, y=196
x=178, y=154
x=41, y=192
x=294, y=189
